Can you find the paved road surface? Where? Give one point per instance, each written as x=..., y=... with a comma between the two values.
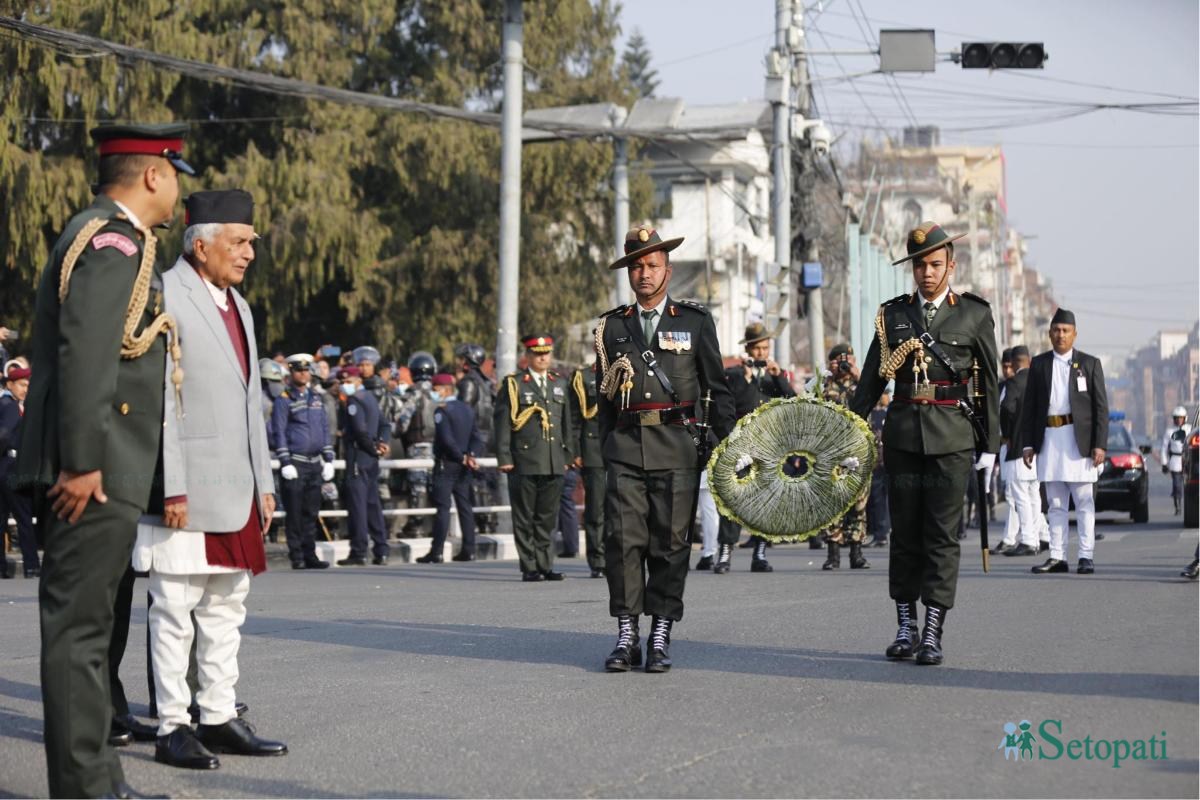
x=459, y=680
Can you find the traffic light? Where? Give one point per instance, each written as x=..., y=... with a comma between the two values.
x=1003, y=55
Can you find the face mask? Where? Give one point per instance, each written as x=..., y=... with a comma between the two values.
x=348, y=389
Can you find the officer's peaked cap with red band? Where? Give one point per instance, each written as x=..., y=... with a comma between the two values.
x=538, y=343
x=164, y=139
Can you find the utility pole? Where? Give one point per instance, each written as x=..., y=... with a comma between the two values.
x=816, y=307
x=620, y=206
x=510, y=187
x=779, y=94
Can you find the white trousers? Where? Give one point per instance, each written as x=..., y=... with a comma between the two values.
x=1057, y=494
x=1024, y=508
x=709, y=522
x=218, y=603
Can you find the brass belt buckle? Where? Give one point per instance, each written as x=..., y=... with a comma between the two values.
x=923, y=391
x=646, y=418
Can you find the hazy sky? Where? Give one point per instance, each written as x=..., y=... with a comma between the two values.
x=1110, y=196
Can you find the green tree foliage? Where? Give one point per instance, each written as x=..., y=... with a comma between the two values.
x=635, y=66
x=378, y=227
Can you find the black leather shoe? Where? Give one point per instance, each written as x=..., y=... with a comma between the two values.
x=315, y=563
x=761, y=566
x=430, y=558
x=705, y=564
x=237, y=737
x=464, y=556
x=240, y=708
x=569, y=555
x=532, y=577
x=298, y=565
x=1051, y=565
x=1099, y=536
x=118, y=736
x=1085, y=567
x=33, y=573
x=658, y=658
x=1021, y=550
x=123, y=791
x=180, y=748
x=140, y=730
x=1002, y=549
x=551, y=575
x=1192, y=572
x=352, y=561
x=379, y=561
x=628, y=652
x=597, y=572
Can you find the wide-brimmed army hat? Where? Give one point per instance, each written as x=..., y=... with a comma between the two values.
x=756, y=332
x=925, y=238
x=640, y=241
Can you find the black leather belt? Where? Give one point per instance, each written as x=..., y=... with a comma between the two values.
x=677, y=415
x=911, y=391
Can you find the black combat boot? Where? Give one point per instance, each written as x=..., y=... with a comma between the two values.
x=724, y=553
x=628, y=652
x=835, y=557
x=929, y=651
x=906, y=636
x=856, y=557
x=657, y=657
x=759, y=562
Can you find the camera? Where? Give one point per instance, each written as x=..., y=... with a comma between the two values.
x=844, y=364
x=751, y=362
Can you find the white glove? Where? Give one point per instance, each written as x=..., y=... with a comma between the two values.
x=986, y=462
x=327, y=471
x=290, y=473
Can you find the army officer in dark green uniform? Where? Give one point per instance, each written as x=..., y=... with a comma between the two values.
x=535, y=445
x=584, y=411
x=93, y=420
x=929, y=342
x=657, y=359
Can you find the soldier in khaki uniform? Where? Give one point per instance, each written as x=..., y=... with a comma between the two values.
x=535, y=445
x=840, y=384
x=930, y=342
x=93, y=424
x=584, y=411
x=658, y=358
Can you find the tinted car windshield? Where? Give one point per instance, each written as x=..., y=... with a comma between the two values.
x=1119, y=439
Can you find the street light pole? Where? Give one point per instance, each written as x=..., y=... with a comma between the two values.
x=620, y=214
x=779, y=92
x=510, y=188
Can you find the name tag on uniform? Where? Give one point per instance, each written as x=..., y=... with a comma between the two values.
x=528, y=398
x=675, y=341
x=622, y=339
x=1081, y=383
x=901, y=326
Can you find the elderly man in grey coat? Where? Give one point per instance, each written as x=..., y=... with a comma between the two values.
x=218, y=492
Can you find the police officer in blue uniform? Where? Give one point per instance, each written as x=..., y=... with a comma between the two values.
x=302, y=443
x=367, y=436
x=12, y=409
x=456, y=443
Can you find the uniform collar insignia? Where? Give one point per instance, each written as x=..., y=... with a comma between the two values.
x=525, y=378
x=629, y=311
x=672, y=310
x=952, y=298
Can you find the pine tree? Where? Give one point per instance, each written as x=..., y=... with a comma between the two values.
x=635, y=65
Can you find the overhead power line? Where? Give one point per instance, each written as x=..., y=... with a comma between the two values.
x=79, y=45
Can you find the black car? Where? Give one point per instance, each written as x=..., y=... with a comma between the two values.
x=1191, y=480
x=1123, y=484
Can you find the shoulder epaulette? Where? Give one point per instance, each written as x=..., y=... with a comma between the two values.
x=692, y=304
x=975, y=297
x=612, y=311
x=553, y=375
x=896, y=299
